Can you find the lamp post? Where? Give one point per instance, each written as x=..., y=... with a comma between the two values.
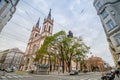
x=13, y=7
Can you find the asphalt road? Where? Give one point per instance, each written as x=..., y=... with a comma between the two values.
x=81, y=76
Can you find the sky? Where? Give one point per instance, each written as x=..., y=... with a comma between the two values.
x=79, y=16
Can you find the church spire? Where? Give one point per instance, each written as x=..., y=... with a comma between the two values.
x=49, y=15
x=37, y=24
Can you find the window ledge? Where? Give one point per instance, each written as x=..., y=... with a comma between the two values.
x=112, y=28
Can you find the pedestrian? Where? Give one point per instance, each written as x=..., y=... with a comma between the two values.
x=4, y=72
x=112, y=76
x=117, y=73
x=104, y=77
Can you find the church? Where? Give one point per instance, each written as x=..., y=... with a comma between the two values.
x=37, y=37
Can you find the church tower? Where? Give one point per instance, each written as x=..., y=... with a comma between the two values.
x=36, y=40
x=32, y=46
x=33, y=43
x=47, y=28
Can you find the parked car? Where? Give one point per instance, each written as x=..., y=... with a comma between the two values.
x=73, y=72
x=85, y=70
x=9, y=70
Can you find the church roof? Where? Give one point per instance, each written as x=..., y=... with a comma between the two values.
x=49, y=15
x=37, y=24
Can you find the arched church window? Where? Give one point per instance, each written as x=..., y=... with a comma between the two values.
x=44, y=27
x=34, y=49
x=35, y=35
x=49, y=28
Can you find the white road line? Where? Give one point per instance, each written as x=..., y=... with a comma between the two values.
x=15, y=76
x=9, y=76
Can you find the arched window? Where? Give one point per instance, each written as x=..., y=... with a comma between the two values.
x=34, y=49
x=44, y=27
x=49, y=28
x=35, y=35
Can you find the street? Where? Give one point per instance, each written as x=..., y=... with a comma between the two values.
x=81, y=76
x=54, y=76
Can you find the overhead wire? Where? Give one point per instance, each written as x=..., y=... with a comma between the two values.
x=43, y=13
x=30, y=22
x=9, y=35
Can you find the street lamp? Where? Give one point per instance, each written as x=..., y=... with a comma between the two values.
x=13, y=9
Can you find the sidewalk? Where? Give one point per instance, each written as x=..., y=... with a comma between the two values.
x=56, y=73
x=116, y=78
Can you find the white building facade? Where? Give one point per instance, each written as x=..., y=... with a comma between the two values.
x=109, y=13
x=14, y=58
x=7, y=9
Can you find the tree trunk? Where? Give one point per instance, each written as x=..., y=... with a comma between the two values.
x=76, y=65
x=63, y=66
x=69, y=65
x=50, y=64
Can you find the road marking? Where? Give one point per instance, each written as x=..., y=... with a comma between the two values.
x=9, y=77
x=15, y=76
x=20, y=76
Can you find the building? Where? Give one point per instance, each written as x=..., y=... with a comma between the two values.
x=109, y=13
x=7, y=9
x=3, y=55
x=36, y=39
x=96, y=64
x=12, y=58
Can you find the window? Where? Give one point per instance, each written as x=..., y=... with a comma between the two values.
x=34, y=49
x=49, y=28
x=99, y=5
x=36, y=35
x=117, y=39
x=104, y=14
x=110, y=24
x=44, y=27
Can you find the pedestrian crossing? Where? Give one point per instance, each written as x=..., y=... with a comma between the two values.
x=72, y=78
x=89, y=79
x=43, y=77
x=13, y=77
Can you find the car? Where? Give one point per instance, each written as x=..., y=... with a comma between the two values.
x=85, y=70
x=9, y=70
x=108, y=72
x=73, y=72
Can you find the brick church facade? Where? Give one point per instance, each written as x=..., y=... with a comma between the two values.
x=36, y=39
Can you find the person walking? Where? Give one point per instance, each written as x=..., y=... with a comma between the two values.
x=104, y=77
x=4, y=72
x=117, y=73
x=112, y=76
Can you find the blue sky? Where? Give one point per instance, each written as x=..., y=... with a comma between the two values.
x=79, y=16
